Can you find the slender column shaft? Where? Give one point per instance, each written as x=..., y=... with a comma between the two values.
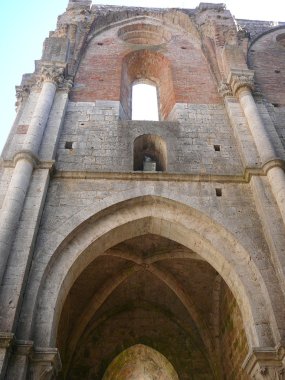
x=18, y=187
x=256, y=126
x=12, y=208
x=275, y=175
x=241, y=82
x=39, y=119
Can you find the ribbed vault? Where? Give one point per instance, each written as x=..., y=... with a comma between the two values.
x=146, y=290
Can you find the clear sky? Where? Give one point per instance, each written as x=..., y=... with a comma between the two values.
x=25, y=25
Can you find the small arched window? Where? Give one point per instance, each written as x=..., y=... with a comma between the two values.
x=144, y=102
x=150, y=153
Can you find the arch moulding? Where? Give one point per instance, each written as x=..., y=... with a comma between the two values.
x=169, y=219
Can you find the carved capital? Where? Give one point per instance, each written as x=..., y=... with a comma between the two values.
x=45, y=364
x=265, y=364
x=225, y=89
x=22, y=92
x=66, y=85
x=52, y=74
x=241, y=79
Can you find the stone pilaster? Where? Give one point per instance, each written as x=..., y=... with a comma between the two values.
x=265, y=364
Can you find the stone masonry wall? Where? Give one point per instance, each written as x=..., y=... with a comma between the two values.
x=233, y=341
x=100, y=142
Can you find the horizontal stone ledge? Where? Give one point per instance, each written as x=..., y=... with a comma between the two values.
x=159, y=176
x=153, y=176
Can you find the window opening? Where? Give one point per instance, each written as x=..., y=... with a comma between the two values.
x=144, y=102
x=68, y=145
x=218, y=192
x=150, y=153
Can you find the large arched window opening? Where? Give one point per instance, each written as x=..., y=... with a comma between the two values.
x=144, y=101
x=145, y=66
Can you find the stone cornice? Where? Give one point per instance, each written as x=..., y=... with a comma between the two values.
x=160, y=176
x=239, y=79
x=145, y=176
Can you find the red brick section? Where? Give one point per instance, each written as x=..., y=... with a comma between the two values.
x=22, y=129
x=267, y=58
x=179, y=66
x=147, y=65
x=233, y=341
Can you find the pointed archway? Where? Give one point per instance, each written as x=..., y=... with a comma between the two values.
x=203, y=238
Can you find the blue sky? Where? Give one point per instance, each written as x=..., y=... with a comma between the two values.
x=25, y=25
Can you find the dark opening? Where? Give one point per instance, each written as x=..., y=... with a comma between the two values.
x=218, y=192
x=68, y=145
x=150, y=153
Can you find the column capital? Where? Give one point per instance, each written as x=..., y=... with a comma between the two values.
x=22, y=92
x=266, y=363
x=6, y=339
x=52, y=73
x=44, y=363
x=238, y=79
x=66, y=84
x=225, y=89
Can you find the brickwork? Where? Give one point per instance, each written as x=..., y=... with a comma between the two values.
x=267, y=55
x=100, y=72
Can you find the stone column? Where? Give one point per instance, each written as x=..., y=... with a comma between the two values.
x=241, y=82
x=265, y=364
x=24, y=163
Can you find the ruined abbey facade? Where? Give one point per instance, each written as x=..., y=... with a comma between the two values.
x=146, y=249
